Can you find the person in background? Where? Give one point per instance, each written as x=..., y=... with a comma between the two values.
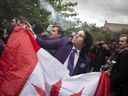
x=8, y=27
x=102, y=52
x=119, y=74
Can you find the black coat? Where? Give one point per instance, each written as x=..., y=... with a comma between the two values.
x=83, y=65
x=119, y=74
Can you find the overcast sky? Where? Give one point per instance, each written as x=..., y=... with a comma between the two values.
x=97, y=11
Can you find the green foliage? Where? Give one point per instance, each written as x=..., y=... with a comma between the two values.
x=65, y=8
x=27, y=8
x=96, y=32
x=31, y=10
x=101, y=36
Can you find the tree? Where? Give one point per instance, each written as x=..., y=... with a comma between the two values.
x=32, y=11
x=66, y=8
x=27, y=8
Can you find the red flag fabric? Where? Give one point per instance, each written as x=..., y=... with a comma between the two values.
x=103, y=88
x=55, y=88
x=17, y=62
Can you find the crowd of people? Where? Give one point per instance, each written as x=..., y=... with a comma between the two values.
x=80, y=54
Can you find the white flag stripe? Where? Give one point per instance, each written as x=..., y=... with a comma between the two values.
x=36, y=78
x=53, y=69
x=91, y=83
x=81, y=82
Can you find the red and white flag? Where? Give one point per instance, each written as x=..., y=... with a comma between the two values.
x=28, y=70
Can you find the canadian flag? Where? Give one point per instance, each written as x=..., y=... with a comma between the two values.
x=28, y=70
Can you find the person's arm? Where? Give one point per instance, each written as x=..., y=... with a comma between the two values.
x=49, y=43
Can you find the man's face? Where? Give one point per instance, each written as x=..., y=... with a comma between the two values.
x=78, y=39
x=123, y=42
x=54, y=32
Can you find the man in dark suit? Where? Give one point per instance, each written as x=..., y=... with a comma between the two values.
x=81, y=42
x=119, y=74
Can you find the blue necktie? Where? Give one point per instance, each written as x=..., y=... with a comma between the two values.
x=71, y=61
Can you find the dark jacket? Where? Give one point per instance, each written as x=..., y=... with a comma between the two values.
x=119, y=74
x=83, y=64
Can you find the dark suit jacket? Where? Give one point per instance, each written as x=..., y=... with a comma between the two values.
x=119, y=74
x=83, y=64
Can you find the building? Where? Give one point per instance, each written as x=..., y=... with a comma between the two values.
x=115, y=27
